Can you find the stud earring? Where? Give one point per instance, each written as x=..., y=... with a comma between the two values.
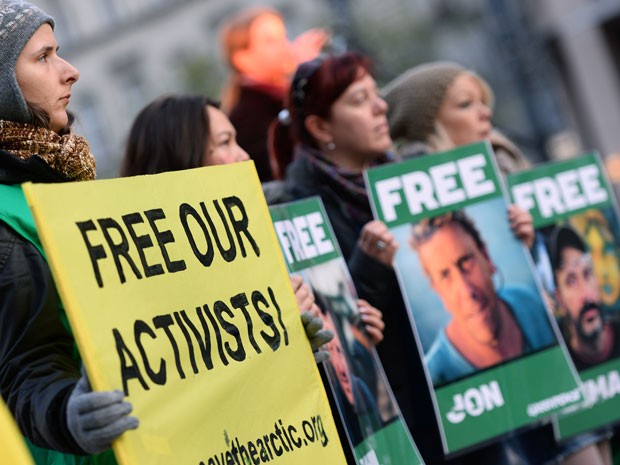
x=331, y=146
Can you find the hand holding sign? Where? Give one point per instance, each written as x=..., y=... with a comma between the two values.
x=313, y=325
x=521, y=223
x=95, y=419
x=377, y=241
x=303, y=295
x=373, y=321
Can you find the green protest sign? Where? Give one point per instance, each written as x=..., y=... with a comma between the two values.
x=473, y=296
x=555, y=191
x=415, y=189
x=305, y=238
x=375, y=430
x=601, y=386
x=577, y=257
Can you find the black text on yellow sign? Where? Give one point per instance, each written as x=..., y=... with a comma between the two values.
x=223, y=330
x=118, y=239
x=212, y=329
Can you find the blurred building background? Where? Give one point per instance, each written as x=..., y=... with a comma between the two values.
x=554, y=64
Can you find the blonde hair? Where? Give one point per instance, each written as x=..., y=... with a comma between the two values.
x=414, y=98
x=439, y=139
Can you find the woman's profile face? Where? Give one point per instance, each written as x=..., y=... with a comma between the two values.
x=269, y=56
x=44, y=78
x=222, y=147
x=464, y=112
x=358, y=122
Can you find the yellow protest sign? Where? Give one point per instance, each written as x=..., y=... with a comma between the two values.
x=177, y=293
x=13, y=449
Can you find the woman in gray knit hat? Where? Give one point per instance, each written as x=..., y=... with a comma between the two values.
x=62, y=419
x=441, y=105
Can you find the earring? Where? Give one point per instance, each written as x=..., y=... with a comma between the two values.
x=331, y=146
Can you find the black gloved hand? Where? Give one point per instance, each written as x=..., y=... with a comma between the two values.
x=313, y=325
x=95, y=419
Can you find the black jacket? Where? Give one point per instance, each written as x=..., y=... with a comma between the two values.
x=38, y=362
x=251, y=117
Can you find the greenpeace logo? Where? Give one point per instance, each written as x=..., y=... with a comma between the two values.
x=554, y=402
x=476, y=401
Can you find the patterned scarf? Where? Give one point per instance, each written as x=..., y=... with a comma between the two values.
x=349, y=184
x=69, y=154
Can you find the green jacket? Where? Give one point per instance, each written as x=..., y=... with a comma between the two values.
x=15, y=213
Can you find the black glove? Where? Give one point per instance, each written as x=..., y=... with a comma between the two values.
x=95, y=419
x=317, y=336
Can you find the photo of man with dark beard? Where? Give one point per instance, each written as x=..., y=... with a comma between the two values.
x=590, y=336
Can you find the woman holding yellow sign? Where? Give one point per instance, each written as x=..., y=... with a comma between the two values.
x=62, y=419
x=54, y=407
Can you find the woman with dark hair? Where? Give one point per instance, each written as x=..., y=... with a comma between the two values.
x=339, y=126
x=54, y=407
x=177, y=133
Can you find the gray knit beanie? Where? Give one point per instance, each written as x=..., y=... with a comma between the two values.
x=415, y=96
x=18, y=22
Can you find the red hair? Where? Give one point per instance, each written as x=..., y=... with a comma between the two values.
x=317, y=84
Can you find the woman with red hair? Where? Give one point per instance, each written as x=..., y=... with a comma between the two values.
x=336, y=121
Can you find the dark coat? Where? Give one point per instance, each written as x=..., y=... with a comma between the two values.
x=251, y=117
x=39, y=365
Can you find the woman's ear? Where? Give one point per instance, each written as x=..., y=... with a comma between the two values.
x=319, y=128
